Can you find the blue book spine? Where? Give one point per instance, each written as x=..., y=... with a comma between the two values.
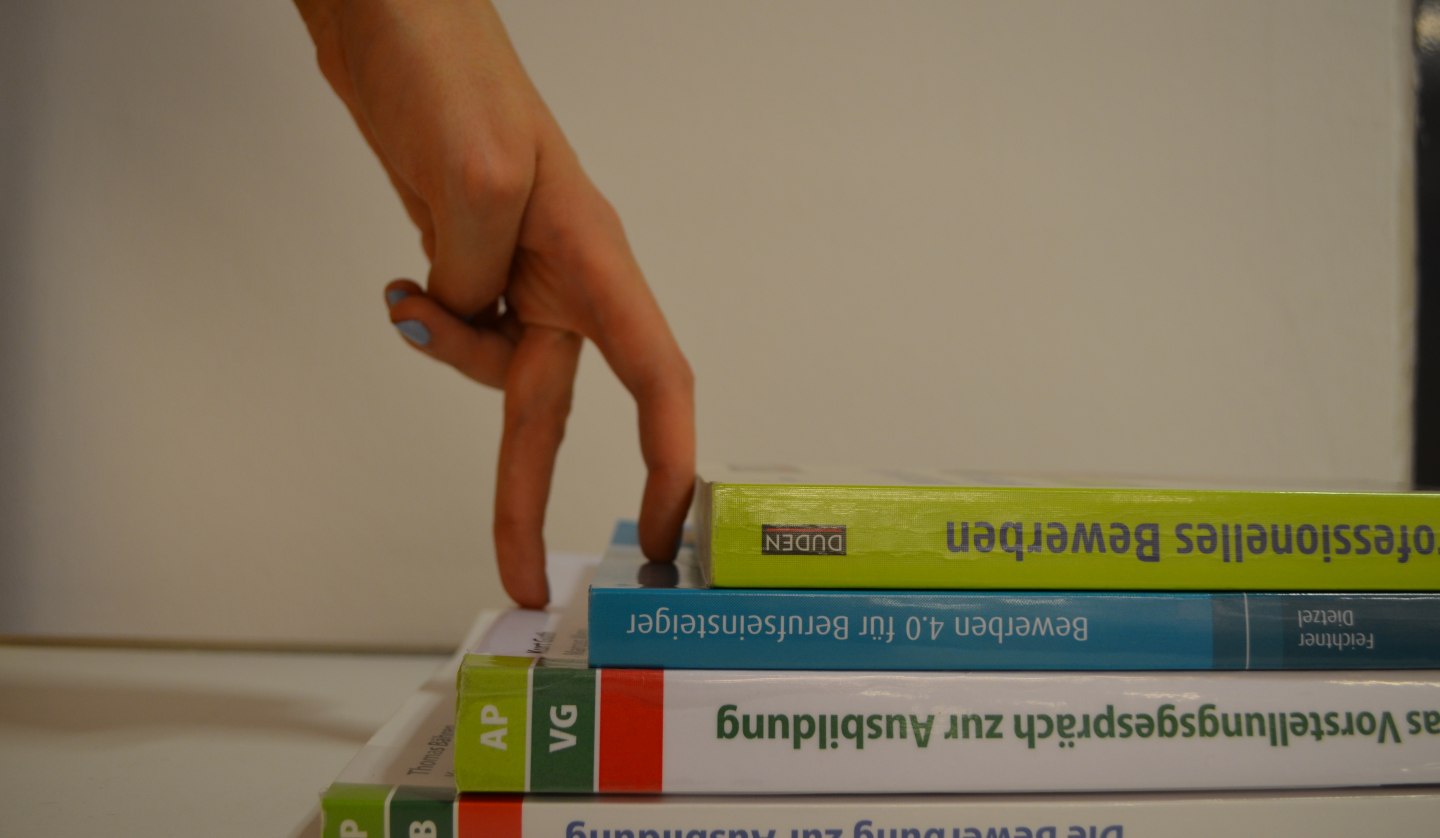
x=877, y=630
x=645, y=615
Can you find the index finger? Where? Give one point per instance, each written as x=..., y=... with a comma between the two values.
x=539, y=383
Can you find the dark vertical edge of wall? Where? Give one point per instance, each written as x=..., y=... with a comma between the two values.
x=1426, y=463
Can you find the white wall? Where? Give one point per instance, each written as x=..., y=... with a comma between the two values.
x=1159, y=238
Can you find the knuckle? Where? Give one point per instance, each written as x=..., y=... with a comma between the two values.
x=671, y=476
x=539, y=417
x=587, y=237
x=670, y=379
x=684, y=377
x=489, y=177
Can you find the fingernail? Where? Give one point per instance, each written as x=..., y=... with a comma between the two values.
x=414, y=331
x=395, y=295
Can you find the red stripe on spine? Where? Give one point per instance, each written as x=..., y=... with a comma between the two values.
x=489, y=816
x=632, y=721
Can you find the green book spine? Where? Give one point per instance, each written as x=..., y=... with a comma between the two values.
x=591, y=730
x=349, y=810
x=359, y=810
x=759, y=535
x=420, y=812
x=562, y=728
x=493, y=754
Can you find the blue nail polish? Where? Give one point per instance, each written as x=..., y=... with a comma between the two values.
x=414, y=331
x=395, y=295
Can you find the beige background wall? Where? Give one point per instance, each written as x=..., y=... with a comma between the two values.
x=1160, y=238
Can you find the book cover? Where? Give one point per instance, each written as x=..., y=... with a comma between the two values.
x=647, y=614
x=528, y=722
x=792, y=528
x=402, y=786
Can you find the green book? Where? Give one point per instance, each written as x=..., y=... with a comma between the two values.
x=787, y=527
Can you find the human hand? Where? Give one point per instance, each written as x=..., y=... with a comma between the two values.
x=527, y=258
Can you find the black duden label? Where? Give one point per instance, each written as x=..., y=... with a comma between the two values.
x=802, y=540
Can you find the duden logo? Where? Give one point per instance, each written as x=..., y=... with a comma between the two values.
x=802, y=540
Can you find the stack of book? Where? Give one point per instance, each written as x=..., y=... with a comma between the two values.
x=898, y=657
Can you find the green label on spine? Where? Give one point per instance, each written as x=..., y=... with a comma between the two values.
x=349, y=810
x=422, y=813
x=491, y=723
x=562, y=730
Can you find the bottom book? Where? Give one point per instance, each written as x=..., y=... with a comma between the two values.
x=401, y=785
x=1017, y=816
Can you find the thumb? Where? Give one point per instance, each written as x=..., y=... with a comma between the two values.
x=477, y=352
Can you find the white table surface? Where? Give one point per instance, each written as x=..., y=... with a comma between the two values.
x=120, y=742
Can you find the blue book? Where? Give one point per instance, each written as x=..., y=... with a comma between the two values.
x=645, y=614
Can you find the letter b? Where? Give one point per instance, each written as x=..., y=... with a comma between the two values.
x=726, y=725
x=351, y=829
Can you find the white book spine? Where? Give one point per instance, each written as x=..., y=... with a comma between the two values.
x=1315, y=815
x=942, y=732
